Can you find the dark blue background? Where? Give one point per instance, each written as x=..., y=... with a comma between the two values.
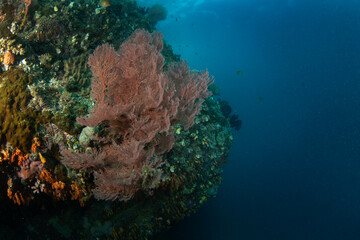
x=294, y=170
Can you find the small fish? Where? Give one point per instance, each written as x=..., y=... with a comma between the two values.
x=260, y=99
x=104, y=3
x=239, y=73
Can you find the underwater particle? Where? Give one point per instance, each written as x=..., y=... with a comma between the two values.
x=239, y=73
x=8, y=59
x=104, y=3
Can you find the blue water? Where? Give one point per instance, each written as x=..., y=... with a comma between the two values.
x=294, y=170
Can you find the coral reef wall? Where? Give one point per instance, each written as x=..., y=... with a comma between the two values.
x=98, y=143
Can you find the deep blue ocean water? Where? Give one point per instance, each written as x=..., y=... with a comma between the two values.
x=294, y=169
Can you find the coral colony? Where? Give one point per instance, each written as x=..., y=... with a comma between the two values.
x=99, y=143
